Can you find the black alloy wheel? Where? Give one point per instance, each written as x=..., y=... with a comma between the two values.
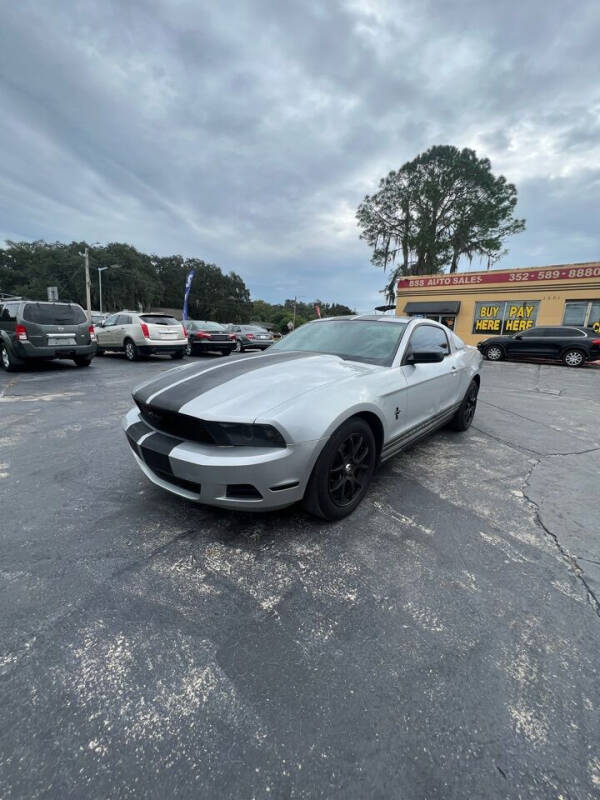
x=464, y=416
x=188, y=349
x=348, y=470
x=343, y=471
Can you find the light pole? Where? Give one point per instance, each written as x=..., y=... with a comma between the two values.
x=100, y=271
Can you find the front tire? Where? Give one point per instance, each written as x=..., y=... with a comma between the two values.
x=464, y=416
x=573, y=358
x=131, y=351
x=8, y=361
x=494, y=353
x=343, y=471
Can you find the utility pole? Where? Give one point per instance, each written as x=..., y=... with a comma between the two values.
x=294, y=323
x=88, y=299
x=100, y=271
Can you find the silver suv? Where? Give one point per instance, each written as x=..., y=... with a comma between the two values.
x=138, y=334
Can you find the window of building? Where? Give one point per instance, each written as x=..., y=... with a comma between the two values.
x=504, y=316
x=585, y=313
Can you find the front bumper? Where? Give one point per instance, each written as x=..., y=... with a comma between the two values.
x=206, y=473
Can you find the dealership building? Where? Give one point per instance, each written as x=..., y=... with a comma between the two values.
x=495, y=302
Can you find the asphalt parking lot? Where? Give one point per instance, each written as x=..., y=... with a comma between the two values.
x=442, y=642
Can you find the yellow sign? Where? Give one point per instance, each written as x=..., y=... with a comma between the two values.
x=507, y=317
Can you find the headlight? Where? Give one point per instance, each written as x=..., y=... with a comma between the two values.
x=239, y=434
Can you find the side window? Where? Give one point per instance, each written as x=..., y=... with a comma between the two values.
x=112, y=320
x=532, y=333
x=123, y=319
x=427, y=337
x=9, y=312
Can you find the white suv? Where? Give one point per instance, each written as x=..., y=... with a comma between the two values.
x=142, y=334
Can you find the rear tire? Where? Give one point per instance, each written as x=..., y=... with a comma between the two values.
x=82, y=361
x=238, y=347
x=188, y=349
x=494, y=353
x=343, y=471
x=573, y=358
x=8, y=361
x=131, y=351
x=464, y=416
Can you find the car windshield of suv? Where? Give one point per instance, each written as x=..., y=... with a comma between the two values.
x=355, y=340
x=156, y=319
x=205, y=326
x=54, y=314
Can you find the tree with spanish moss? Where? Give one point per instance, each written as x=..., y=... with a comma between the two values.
x=441, y=207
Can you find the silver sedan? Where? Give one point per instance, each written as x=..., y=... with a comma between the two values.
x=308, y=420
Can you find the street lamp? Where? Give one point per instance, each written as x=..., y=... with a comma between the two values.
x=100, y=271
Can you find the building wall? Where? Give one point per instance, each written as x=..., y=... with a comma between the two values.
x=551, y=286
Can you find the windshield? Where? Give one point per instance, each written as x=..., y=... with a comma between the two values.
x=54, y=314
x=355, y=340
x=158, y=319
x=206, y=326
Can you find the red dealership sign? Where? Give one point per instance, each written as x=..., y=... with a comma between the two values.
x=515, y=276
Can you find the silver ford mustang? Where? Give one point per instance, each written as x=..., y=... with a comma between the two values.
x=308, y=420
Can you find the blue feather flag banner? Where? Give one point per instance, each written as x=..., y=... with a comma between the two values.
x=188, y=284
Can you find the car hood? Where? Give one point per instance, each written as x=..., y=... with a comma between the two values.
x=245, y=388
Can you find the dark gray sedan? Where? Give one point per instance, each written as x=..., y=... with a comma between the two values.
x=250, y=337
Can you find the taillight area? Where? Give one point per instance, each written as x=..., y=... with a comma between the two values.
x=184, y=331
x=249, y=336
x=145, y=330
x=596, y=342
x=21, y=332
x=203, y=335
x=92, y=333
x=231, y=336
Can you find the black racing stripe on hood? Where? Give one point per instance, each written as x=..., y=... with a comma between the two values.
x=175, y=398
x=170, y=376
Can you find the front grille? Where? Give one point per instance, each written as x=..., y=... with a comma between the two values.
x=176, y=424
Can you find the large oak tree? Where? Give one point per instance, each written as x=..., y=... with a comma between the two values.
x=443, y=205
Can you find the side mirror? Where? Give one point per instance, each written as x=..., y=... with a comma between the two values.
x=433, y=356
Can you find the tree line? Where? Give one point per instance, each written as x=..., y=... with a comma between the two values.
x=137, y=280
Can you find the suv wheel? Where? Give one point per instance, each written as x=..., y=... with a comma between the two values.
x=343, y=471
x=494, y=353
x=131, y=351
x=8, y=361
x=82, y=361
x=573, y=358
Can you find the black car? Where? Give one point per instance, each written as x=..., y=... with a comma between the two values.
x=250, y=337
x=42, y=330
x=573, y=346
x=205, y=337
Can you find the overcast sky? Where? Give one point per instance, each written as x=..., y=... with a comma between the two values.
x=246, y=133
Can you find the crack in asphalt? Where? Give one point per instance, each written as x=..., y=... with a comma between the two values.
x=567, y=556
x=571, y=560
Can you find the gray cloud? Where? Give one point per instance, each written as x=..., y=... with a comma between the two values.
x=247, y=133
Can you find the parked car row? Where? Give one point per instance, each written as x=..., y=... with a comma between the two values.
x=47, y=330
